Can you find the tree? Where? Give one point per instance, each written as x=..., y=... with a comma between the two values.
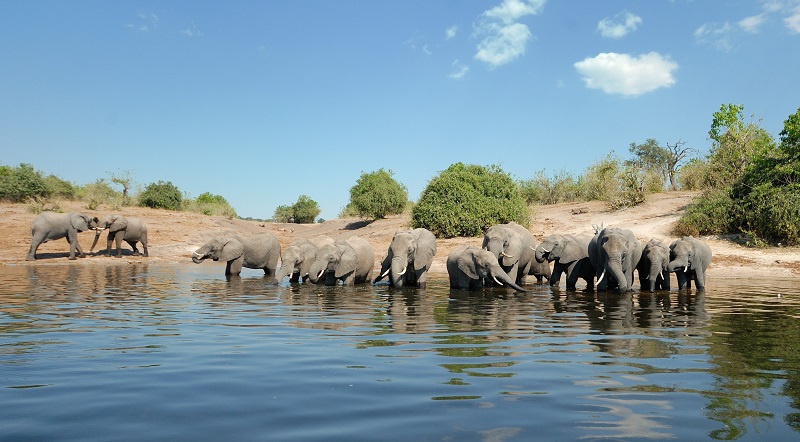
x=283, y=214
x=651, y=157
x=377, y=194
x=676, y=154
x=464, y=200
x=303, y=211
x=161, y=195
x=124, y=179
x=17, y=184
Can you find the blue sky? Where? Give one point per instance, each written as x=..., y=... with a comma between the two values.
x=262, y=101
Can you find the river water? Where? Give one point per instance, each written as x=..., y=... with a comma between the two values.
x=178, y=352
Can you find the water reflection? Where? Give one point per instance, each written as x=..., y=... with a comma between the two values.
x=457, y=364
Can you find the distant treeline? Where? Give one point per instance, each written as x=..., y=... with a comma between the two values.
x=749, y=184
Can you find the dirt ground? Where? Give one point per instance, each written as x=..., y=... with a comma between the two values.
x=174, y=235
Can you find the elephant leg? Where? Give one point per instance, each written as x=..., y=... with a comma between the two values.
x=681, y=279
x=143, y=240
x=422, y=278
x=700, y=279
x=555, y=276
x=74, y=246
x=132, y=243
x=118, y=242
x=36, y=241
x=234, y=266
x=294, y=277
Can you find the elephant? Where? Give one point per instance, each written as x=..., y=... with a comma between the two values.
x=689, y=259
x=49, y=226
x=570, y=255
x=296, y=259
x=409, y=258
x=513, y=246
x=470, y=268
x=132, y=230
x=614, y=252
x=652, y=267
x=254, y=252
x=349, y=260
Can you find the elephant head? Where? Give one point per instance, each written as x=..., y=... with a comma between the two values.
x=296, y=259
x=561, y=248
x=225, y=248
x=410, y=253
x=477, y=265
x=504, y=244
x=654, y=265
x=615, y=253
x=114, y=223
x=334, y=260
x=682, y=257
x=81, y=222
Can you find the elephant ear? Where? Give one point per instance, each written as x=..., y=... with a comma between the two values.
x=79, y=221
x=514, y=250
x=119, y=223
x=232, y=249
x=347, y=260
x=466, y=263
x=426, y=250
x=570, y=250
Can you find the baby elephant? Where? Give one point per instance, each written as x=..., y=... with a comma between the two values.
x=471, y=268
x=349, y=261
x=689, y=259
x=131, y=230
x=50, y=225
x=253, y=252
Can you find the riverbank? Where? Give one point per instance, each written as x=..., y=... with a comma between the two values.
x=174, y=235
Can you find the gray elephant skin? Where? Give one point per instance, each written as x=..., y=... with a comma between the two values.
x=349, y=261
x=253, y=252
x=409, y=258
x=296, y=259
x=131, y=230
x=652, y=267
x=513, y=246
x=569, y=255
x=471, y=268
x=689, y=259
x=50, y=226
x=614, y=253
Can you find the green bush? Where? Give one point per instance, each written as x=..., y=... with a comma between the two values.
x=562, y=187
x=692, y=175
x=99, y=193
x=377, y=194
x=161, y=195
x=61, y=188
x=600, y=179
x=464, y=200
x=709, y=214
x=303, y=211
x=209, y=204
x=18, y=184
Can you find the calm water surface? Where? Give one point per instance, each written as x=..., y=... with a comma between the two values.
x=177, y=352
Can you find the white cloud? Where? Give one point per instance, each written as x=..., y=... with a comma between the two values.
x=451, y=32
x=622, y=74
x=504, y=45
x=715, y=35
x=793, y=21
x=512, y=10
x=753, y=23
x=623, y=24
x=460, y=70
x=505, y=38
x=192, y=31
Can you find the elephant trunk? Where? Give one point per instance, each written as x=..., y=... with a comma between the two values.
x=680, y=263
x=541, y=254
x=655, y=273
x=501, y=277
x=614, y=268
x=197, y=258
x=398, y=269
x=317, y=270
x=96, y=237
x=286, y=268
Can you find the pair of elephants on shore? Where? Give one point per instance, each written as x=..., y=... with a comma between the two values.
x=614, y=253
x=49, y=226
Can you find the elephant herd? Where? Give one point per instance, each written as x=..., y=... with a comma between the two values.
x=508, y=255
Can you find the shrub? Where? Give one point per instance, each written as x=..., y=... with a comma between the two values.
x=283, y=214
x=709, y=214
x=161, y=195
x=98, y=193
x=377, y=194
x=562, y=187
x=464, y=200
x=303, y=211
x=599, y=180
x=691, y=175
x=209, y=204
x=18, y=184
x=60, y=188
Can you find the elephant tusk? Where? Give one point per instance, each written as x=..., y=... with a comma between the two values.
x=661, y=274
x=386, y=273
x=601, y=276
x=320, y=273
x=495, y=280
x=506, y=255
x=545, y=250
x=404, y=271
x=686, y=268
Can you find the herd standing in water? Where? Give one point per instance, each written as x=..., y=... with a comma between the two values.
x=508, y=255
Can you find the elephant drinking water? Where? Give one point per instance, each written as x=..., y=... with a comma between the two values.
x=253, y=252
x=471, y=268
x=614, y=253
x=409, y=258
x=349, y=261
x=570, y=256
x=689, y=259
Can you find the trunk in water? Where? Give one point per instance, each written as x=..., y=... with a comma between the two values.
x=499, y=275
x=655, y=272
x=399, y=266
x=615, y=269
x=285, y=269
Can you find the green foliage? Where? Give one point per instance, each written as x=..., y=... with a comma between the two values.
x=18, y=184
x=790, y=136
x=99, y=193
x=60, y=188
x=210, y=204
x=303, y=211
x=772, y=213
x=464, y=200
x=377, y=194
x=709, y=214
x=652, y=158
x=599, y=180
x=692, y=175
x=631, y=188
x=562, y=187
x=161, y=195
x=124, y=179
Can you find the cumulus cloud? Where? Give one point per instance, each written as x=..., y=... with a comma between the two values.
x=505, y=39
x=621, y=25
x=626, y=75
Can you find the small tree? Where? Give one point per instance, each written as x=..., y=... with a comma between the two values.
x=283, y=214
x=464, y=200
x=98, y=193
x=161, y=195
x=305, y=210
x=124, y=179
x=377, y=195
x=18, y=184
